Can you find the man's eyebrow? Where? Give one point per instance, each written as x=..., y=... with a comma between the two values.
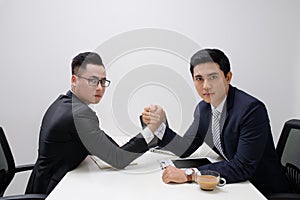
x=95, y=77
x=198, y=75
x=213, y=74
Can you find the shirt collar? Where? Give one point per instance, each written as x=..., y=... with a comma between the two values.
x=220, y=106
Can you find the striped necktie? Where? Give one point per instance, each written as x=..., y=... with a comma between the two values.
x=216, y=130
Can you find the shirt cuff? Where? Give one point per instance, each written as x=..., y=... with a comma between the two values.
x=147, y=134
x=160, y=131
x=196, y=174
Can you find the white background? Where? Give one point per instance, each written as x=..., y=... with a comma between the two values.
x=38, y=39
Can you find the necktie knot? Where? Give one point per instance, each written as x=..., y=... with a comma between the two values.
x=216, y=114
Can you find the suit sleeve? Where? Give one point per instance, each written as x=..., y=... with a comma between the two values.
x=253, y=135
x=185, y=145
x=98, y=143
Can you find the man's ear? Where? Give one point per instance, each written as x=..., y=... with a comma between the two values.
x=73, y=80
x=228, y=76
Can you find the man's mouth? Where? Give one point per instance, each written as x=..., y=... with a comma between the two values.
x=207, y=94
x=98, y=95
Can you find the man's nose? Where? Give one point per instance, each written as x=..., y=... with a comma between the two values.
x=100, y=87
x=206, y=84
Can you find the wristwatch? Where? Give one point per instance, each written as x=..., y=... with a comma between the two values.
x=189, y=174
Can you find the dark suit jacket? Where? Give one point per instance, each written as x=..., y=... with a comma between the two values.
x=245, y=138
x=69, y=132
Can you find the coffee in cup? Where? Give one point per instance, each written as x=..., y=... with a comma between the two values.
x=208, y=180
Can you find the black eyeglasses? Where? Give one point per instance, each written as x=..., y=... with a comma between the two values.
x=95, y=81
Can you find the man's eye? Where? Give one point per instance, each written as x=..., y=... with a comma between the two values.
x=102, y=81
x=198, y=78
x=213, y=77
x=94, y=81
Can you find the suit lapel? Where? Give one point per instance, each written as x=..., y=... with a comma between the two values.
x=226, y=112
x=205, y=124
x=227, y=107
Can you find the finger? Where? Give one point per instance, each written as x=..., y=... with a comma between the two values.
x=147, y=109
x=145, y=116
x=158, y=107
x=154, y=115
x=152, y=108
x=145, y=113
x=146, y=121
x=154, y=118
x=165, y=178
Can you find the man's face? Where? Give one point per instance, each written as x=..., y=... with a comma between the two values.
x=210, y=82
x=81, y=87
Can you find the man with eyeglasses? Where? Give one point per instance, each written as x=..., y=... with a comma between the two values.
x=70, y=129
x=232, y=122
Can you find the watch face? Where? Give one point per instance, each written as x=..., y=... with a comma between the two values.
x=188, y=171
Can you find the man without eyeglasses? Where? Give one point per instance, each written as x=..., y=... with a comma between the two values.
x=235, y=124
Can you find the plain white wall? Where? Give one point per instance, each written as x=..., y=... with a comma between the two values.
x=38, y=39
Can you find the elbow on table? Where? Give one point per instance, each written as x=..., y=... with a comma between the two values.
x=120, y=165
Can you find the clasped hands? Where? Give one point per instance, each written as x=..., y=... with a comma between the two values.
x=153, y=116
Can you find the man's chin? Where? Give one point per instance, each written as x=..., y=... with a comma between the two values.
x=96, y=101
x=207, y=100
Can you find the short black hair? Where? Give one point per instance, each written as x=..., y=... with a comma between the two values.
x=82, y=59
x=210, y=55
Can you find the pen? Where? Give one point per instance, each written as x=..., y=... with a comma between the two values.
x=163, y=165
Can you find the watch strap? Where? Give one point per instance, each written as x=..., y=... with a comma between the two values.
x=190, y=177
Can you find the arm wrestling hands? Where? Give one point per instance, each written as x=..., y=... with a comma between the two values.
x=153, y=116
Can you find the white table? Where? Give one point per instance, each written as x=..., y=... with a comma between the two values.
x=141, y=181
